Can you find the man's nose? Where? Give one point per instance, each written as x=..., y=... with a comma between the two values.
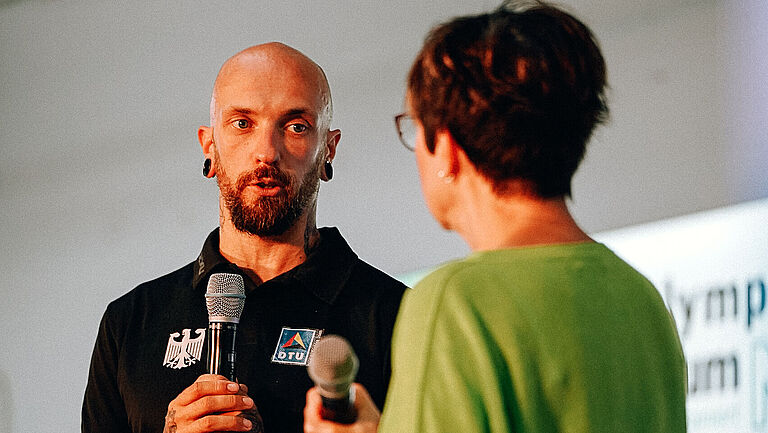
x=266, y=144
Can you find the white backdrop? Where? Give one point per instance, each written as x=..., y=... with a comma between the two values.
x=100, y=168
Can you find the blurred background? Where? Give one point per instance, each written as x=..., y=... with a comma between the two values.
x=100, y=166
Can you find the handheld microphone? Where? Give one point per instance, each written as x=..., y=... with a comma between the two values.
x=225, y=299
x=333, y=367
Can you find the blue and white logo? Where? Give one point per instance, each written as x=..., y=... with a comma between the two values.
x=295, y=345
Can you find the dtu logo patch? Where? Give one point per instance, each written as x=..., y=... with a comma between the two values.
x=295, y=345
x=185, y=352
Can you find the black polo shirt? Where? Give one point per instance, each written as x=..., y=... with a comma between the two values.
x=149, y=346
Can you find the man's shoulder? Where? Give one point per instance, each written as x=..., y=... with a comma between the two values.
x=155, y=290
x=362, y=275
x=377, y=278
x=370, y=286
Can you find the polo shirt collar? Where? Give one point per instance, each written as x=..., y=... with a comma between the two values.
x=324, y=273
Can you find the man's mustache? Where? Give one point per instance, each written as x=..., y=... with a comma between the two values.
x=274, y=174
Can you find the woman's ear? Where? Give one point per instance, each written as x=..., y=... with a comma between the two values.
x=447, y=151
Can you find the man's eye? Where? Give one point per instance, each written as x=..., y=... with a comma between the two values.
x=297, y=128
x=241, y=124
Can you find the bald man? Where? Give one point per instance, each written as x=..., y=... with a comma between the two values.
x=269, y=144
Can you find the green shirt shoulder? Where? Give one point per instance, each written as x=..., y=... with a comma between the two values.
x=536, y=339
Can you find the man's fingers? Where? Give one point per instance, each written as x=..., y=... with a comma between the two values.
x=209, y=377
x=222, y=423
x=216, y=386
x=214, y=404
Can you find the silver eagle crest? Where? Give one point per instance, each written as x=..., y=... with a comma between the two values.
x=185, y=352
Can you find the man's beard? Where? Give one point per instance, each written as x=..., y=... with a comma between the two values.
x=269, y=215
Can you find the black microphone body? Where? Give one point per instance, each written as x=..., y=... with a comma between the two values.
x=339, y=409
x=333, y=367
x=225, y=299
x=221, y=348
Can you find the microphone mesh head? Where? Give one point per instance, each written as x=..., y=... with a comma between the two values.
x=225, y=297
x=333, y=366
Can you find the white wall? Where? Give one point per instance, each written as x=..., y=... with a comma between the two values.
x=100, y=167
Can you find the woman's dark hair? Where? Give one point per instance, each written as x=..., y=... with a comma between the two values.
x=520, y=89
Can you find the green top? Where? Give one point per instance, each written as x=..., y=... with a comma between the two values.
x=562, y=338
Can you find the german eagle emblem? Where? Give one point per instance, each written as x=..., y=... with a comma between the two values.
x=185, y=352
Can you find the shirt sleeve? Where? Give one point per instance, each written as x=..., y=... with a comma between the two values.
x=103, y=406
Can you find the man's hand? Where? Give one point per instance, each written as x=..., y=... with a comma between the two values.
x=367, y=414
x=213, y=404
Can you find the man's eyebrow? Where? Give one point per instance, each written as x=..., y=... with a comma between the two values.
x=288, y=113
x=299, y=111
x=310, y=115
x=238, y=110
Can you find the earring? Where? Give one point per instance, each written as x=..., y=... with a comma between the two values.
x=328, y=169
x=206, y=167
x=447, y=178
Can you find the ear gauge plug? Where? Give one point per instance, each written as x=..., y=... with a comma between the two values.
x=328, y=169
x=206, y=167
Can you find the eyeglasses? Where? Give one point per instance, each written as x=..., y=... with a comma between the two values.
x=406, y=130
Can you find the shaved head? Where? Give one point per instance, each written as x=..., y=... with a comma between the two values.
x=248, y=63
x=269, y=140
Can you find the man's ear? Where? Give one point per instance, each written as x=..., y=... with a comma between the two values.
x=331, y=141
x=205, y=137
